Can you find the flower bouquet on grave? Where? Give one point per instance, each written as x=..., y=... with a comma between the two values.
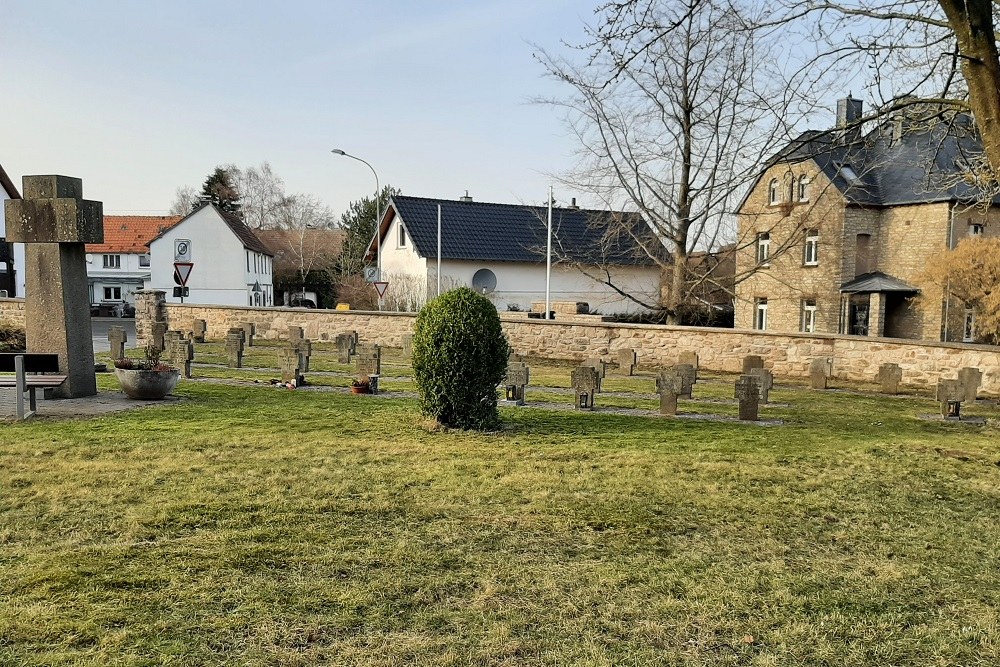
x=147, y=379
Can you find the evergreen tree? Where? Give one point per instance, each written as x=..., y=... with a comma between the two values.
x=358, y=223
x=219, y=190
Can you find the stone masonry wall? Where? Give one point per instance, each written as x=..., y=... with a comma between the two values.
x=12, y=312
x=855, y=358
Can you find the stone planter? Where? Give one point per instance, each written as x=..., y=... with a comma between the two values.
x=147, y=385
x=361, y=389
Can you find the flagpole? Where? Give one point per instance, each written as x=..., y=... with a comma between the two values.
x=548, y=260
x=439, y=251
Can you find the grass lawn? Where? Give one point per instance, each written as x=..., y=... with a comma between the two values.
x=258, y=526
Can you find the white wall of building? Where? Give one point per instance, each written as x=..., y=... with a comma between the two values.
x=127, y=278
x=224, y=271
x=19, y=259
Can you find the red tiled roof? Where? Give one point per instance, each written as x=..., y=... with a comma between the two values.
x=132, y=233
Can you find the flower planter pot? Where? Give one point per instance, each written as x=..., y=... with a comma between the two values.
x=147, y=385
x=359, y=390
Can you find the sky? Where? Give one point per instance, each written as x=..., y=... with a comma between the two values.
x=139, y=97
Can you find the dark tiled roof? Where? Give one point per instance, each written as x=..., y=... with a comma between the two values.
x=243, y=233
x=876, y=282
x=517, y=233
x=920, y=165
x=8, y=185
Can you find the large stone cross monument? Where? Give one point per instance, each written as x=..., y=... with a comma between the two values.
x=55, y=222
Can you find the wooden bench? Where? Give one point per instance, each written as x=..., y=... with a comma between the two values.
x=31, y=371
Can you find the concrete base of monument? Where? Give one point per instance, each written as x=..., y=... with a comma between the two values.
x=102, y=403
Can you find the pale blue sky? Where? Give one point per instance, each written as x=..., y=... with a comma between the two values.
x=138, y=98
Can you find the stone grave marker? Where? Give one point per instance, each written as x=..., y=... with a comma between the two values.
x=950, y=394
x=346, y=346
x=748, y=394
x=515, y=381
x=970, y=379
x=752, y=361
x=601, y=367
x=54, y=222
x=289, y=358
x=627, y=360
x=199, y=328
x=157, y=335
x=369, y=360
x=586, y=382
x=234, y=348
x=669, y=385
x=690, y=358
x=766, y=380
x=689, y=376
x=179, y=352
x=294, y=334
x=304, y=346
x=820, y=371
x=249, y=331
x=117, y=337
x=407, y=345
x=889, y=376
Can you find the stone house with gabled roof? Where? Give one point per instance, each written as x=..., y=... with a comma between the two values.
x=232, y=266
x=838, y=226
x=120, y=266
x=500, y=249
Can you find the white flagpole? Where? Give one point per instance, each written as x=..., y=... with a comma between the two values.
x=548, y=260
x=439, y=250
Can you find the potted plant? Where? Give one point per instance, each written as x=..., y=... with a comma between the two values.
x=361, y=385
x=147, y=379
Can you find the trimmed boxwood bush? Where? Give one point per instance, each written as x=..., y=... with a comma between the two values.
x=459, y=357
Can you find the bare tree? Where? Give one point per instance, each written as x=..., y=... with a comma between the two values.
x=185, y=199
x=262, y=194
x=673, y=107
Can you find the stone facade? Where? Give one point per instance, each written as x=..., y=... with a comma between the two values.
x=787, y=355
x=12, y=312
x=851, y=240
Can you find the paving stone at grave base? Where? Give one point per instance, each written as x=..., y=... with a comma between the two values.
x=101, y=403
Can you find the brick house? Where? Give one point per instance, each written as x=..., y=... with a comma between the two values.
x=837, y=228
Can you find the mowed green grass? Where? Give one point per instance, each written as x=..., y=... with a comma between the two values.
x=258, y=526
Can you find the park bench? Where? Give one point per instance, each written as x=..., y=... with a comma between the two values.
x=32, y=370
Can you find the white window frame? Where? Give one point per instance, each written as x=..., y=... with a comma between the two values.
x=808, y=319
x=810, y=256
x=144, y=261
x=760, y=314
x=112, y=261
x=774, y=192
x=764, y=248
x=969, y=326
x=803, y=185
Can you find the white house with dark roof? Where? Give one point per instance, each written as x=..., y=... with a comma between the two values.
x=500, y=249
x=232, y=267
x=12, y=258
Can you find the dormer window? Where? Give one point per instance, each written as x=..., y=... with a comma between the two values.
x=773, y=192
x=803, y=188
x=848, y=173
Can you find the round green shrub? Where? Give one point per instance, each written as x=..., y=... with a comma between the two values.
x=459, y=357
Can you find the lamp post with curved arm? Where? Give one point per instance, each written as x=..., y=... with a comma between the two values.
x=378, y=214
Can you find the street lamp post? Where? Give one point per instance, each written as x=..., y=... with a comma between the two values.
x=378, y=214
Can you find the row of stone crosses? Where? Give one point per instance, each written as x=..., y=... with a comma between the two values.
x=752, y=388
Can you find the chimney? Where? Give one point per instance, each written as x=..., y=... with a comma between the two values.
x=849, y=112
x=572, y=204
x=465, y=197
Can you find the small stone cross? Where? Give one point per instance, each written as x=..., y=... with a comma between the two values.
x=407, y=343
x=970, y=378
x=515, y=382
x=950, y=394
x=346, y=346
x=294, y=334
x=234, y=348
x=748, y=394
x=820, y=371
x=117, y=337
x=766, y=380
x=199, y=329
x=669, y=385
x=752, y=361
x=585, y=381
x=601, y=367
x=304, y=346
x=627, y=361
x=291, y=371
x=369, y=361
x=889, y=376
x=249, y=331
x=688, y=357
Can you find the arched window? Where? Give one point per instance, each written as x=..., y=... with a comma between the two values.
x=773, y=193
x=803, y=188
